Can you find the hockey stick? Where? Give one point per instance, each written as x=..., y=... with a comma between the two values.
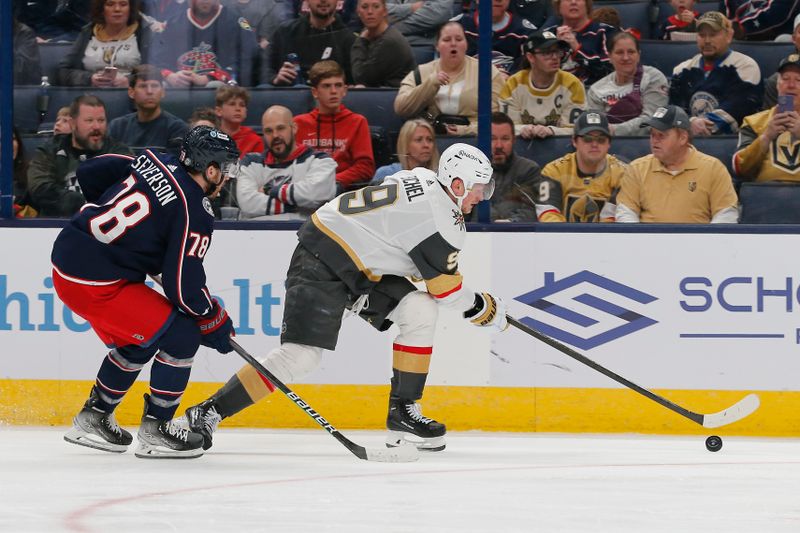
x=401, y=454
x=734, y=413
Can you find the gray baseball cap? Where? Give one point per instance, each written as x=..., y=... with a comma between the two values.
x=590, y=121
x=665, y=118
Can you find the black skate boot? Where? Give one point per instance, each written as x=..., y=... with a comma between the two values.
x=406, y=424
x=97, y=429
x=166, y=438
x=204, y=418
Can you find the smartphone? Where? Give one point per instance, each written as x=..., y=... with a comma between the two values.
x=110, y=72
x=785, y=103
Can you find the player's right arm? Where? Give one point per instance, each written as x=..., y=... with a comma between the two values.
x=97, y=174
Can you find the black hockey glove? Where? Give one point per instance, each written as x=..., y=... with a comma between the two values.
x=216, y=329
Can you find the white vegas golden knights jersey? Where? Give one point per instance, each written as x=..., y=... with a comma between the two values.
x=407, y=226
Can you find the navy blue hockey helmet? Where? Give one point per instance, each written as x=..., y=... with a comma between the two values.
x=205, y=145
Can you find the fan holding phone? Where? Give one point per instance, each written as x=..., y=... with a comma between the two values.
x=769, y=141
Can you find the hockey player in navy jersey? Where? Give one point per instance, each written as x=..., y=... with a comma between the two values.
x=355, y=253
x=145, y=215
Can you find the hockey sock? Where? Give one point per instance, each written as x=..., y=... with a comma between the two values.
x=410, y=370
x=244, y=389
x=168, y=379
x=116, y=375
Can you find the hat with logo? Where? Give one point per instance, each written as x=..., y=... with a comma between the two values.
x=715, y=20
x=793, y=60
x=590, y=121
x=665, y=118
x=539, y=40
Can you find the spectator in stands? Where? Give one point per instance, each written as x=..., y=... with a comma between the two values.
x=758, y=20
x=231, y=108
x=718, y=86
x=676, y=182
x=587, y=40
x=771, y=83
x=51, y=174
x=768, y=141
x=149, y=125
x=632, y=92
x=515, y=177
x=289, y=180
x=318, y=36
x=23, y=207
x=156, y=13
x=27, y=68
x=416, y=147
x=206, y=45
x=345, y=9
x=543, y=100
x=334, y=129
x=582, y=186
x=63, y=124
x=446, y=87
x=54, y=20
x=204, y=116
x=508, y=35
x=107, y=48
x=682, y=20
x=381, y=56
x=419, y=20
x=264, y=16
x=532, y=12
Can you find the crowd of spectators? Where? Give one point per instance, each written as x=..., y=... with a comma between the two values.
x=559, y=69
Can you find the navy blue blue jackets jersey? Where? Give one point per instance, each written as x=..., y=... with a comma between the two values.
x=144, y=215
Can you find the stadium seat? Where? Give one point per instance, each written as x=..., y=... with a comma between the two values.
x=632, y=14
x=182, y=102
x=50, y=55
x=767, y=54
x=423, y=54
x=32, y=142
x=377, y=105
x=769, y=203
x=26, y=114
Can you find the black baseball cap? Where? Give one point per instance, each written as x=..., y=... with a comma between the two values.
x=539, y=40
x=666, y=118
x=793, y=60
x=590, y=121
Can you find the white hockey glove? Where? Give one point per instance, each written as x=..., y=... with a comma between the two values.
x=488, y=311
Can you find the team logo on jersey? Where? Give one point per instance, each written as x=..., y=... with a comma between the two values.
x=584, y=208
x=702, y=102
x=207, y=206
x=587, y=309
x=458, y=219
x=692, y=186
x=244, y=24
x=200, y=60
x=786, y=153
x=172, y=168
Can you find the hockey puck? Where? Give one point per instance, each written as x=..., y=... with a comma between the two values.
x=714, y=443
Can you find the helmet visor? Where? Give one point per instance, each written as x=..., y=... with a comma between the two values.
x=230, y=168
x=484, y=190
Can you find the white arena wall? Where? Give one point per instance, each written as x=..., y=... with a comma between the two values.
x=701, y=318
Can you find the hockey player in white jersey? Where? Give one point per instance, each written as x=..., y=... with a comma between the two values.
x=356, y=253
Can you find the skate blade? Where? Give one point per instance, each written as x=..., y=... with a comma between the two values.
x=401, y=438
x=90, y=440
x=159, y=452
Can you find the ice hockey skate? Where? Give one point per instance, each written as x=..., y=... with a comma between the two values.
x=166, y=439
x=406, y=424
x=97, y=429
x=204, y=418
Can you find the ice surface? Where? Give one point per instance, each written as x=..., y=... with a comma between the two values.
x=305, y=481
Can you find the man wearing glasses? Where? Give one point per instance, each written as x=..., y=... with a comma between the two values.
x=543, y=100
x=582, y=186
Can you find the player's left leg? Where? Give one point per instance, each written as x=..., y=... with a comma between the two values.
x=396, y=300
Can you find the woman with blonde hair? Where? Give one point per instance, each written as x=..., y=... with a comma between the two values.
x=416, y=147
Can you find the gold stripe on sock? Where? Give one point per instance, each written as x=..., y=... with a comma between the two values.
x=253, y=383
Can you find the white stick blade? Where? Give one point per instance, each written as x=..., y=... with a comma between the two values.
x=401, y=454
x=734, y=413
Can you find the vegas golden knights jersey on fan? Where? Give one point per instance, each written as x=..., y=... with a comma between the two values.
x=781, y=162
x=407, y=226
x=564, y=196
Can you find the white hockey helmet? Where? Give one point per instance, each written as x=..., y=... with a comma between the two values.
x=470, y=165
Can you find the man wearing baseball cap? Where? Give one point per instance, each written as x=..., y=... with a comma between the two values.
x=768, y=141
x=718, y=86
x=771, y=83
x=582, y=186
x=676, y=182
x=543, y=100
